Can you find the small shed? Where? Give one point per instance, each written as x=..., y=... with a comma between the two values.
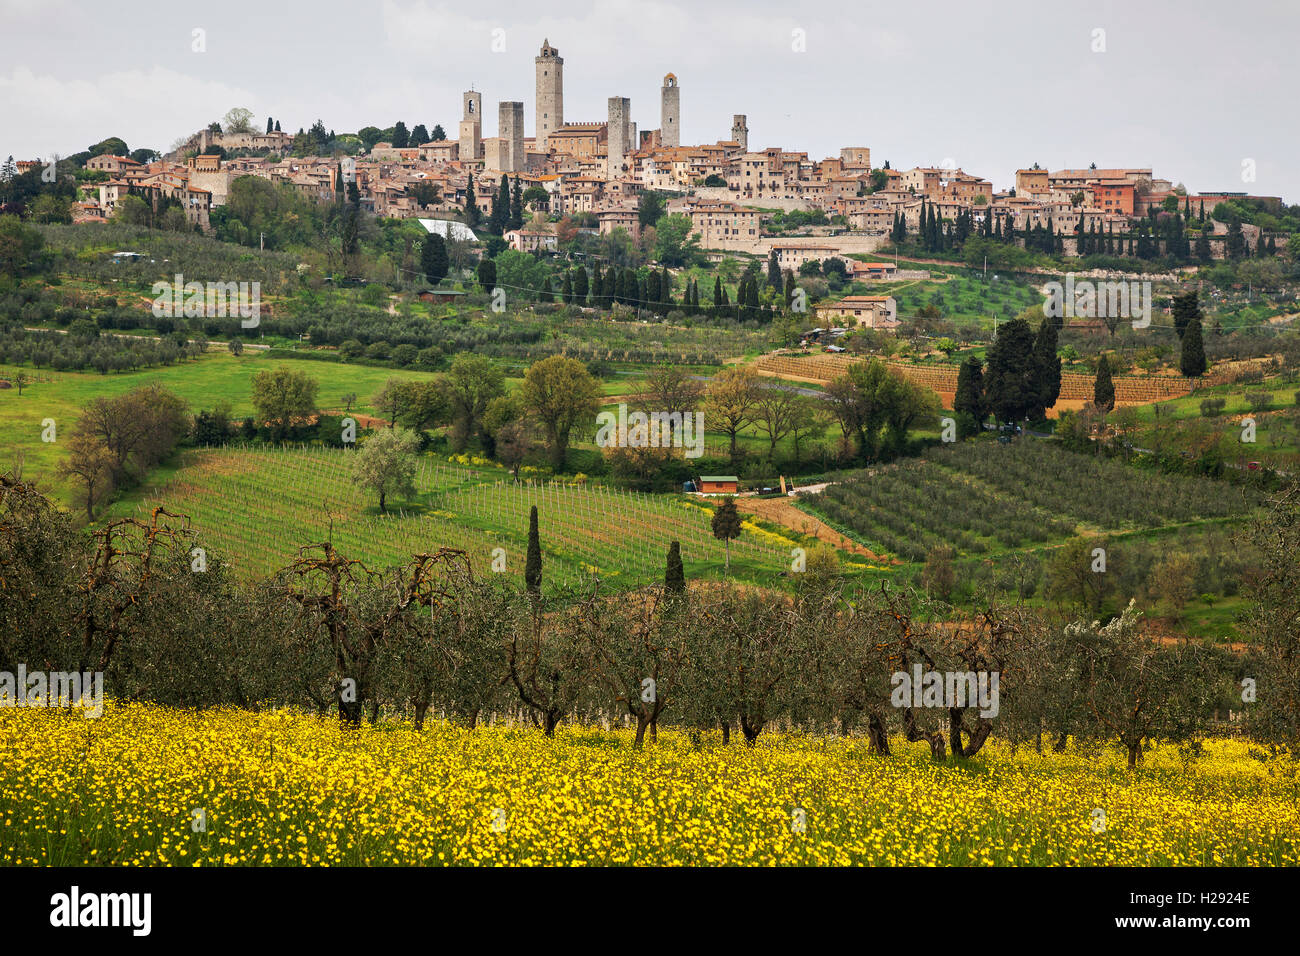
x=441, y=296
x=719, y=484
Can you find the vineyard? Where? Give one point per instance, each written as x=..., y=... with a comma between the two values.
x=1129, y=389
x=981, y=497
x=254, y=508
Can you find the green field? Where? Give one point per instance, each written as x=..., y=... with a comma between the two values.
x=215, y=378
x=255, y=507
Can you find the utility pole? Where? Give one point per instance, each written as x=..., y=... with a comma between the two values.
x=261, y=242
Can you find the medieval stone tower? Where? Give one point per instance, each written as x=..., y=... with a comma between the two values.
x=471, y=127
x=550, y=92
x=670, y=112
x=740, y=131
x=511, y=130
x=618, y=136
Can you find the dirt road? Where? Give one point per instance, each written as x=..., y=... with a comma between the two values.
x=783, y=512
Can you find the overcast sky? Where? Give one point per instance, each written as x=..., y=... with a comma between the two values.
x=1193, y=88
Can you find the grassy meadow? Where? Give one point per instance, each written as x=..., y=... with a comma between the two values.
x=216, y=377
x=152, y=786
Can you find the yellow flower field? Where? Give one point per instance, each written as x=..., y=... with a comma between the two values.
x=148, y=785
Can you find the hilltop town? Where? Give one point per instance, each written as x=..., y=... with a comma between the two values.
x=591, y=175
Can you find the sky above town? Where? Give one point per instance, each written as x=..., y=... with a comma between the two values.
x=1199, y=90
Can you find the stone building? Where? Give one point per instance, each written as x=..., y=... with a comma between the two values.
x=619, y=137
x=864, y=311
x=471, y=127
x=206, y=173
x=740, y=131
x=550, y=93
x=670, y=113
x=510, y=125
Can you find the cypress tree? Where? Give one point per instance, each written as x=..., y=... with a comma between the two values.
x=1203, y=253
x=1010, y=383
x=1047, y=366
x=533, y=566
x=517, y=206
x=1191, y=359
x=472, y=213
x=433, y=258
x=501, y=208
x=1103, y=389
x=1185, y=309
x=675, y=574
x=566, y=290
x=581, y=285
x=1236, y=243
x=970, y=397
x=773, y=270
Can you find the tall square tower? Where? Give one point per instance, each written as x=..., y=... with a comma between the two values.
x=670, y=112
x=550, y=92
x=471, y=127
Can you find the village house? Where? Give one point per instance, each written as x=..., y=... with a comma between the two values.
x=626, y=219
x=531, y=240
x=863, y=311
x=792, y=255
x=111, y=164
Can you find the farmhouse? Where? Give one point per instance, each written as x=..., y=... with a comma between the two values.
x=873, y=270
x=719, y=484
x=531, y=240
x=865, y=311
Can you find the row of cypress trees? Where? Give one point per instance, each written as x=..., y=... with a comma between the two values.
x=726, y=526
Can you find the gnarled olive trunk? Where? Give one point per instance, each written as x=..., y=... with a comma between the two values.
x=877, y=735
